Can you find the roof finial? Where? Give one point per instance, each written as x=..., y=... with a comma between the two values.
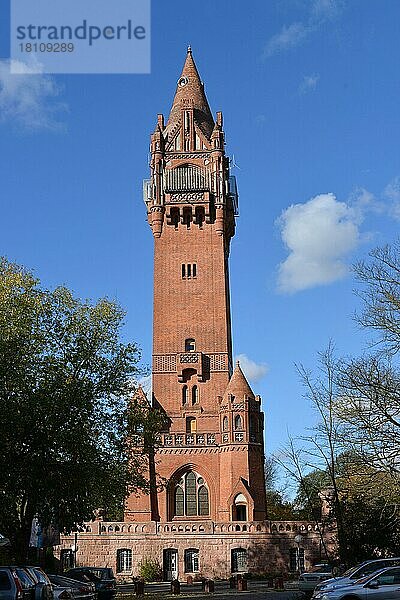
x=189, y=49
x=238, y=363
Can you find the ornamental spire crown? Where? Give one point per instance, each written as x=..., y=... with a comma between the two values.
x=190, y=95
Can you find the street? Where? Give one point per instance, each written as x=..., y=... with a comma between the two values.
x=222, y=590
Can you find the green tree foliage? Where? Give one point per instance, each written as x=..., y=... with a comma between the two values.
x=368, y=500
x=353, y=450
x=65, y=378
x=278, y=507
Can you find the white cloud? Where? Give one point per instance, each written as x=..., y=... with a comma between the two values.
x=319, y=234
x=253, y=371
x=309, y=83
x=287, y=38
x=324, y=10
x=387, y=203
x=290, y=36
x=392, y=193
x=28, y=97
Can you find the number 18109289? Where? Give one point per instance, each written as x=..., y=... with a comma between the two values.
x=46, y=47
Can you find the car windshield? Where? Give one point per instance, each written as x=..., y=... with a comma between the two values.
x=321, y=569
x=40, y=575
x=24, y=578
x=349, y=572
x=100, y=573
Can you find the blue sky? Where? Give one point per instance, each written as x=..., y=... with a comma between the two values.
x=310, y=92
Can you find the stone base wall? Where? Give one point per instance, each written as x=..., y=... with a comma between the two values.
x=268, y=545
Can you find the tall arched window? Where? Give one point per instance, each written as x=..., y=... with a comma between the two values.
x=195, y=394
x=240, y=508
x=225, y=424
x=191, y=496
x=254, y=424
x=184, y=394
x=238, y=423
x=204, y=508
x=179, y=502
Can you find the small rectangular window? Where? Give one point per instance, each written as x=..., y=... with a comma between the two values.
x=194, y=270
x=183, y=271
x=189, y=270
x=124, y=560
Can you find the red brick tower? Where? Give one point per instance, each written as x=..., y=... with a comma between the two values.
x=212, y=454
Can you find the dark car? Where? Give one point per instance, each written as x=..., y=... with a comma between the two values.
x=102, y=577
x=65, y=588
x=16, y=584
x=43, y=586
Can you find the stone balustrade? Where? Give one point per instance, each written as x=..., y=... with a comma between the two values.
x=199, y=527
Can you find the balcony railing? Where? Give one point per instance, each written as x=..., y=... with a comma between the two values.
x=207, y=527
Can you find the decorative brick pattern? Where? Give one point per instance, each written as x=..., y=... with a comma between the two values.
x=164, y=363
x=219, y=362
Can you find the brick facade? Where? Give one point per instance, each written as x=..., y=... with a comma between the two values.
x=212, y=453
x=268, y=545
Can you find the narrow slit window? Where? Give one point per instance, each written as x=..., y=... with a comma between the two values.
x=194, y=270
x=184, y=394
x=195, y=394
x=183, y=271
x=189, y=270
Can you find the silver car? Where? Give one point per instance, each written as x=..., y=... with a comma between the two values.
x=310, y=579
x=367, y=567
x=383, y=585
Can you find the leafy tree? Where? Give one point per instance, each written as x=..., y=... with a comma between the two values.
x=65, y=378
x=368, y=405
x=278, y=507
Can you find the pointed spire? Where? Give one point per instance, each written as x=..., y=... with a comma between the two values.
x=238, y=385
x=190, y=93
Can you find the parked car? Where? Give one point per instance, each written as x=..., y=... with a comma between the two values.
x=43, y=586
x=102, y=577
x=383, y=585
x=309, y=579
x=16, y=584
x=65, y=588
x=367, y=567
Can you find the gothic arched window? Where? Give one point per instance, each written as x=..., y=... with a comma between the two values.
x=191, y=496
x=238, y=423
x=179, y=501
x=204, y=505
x=225, y=424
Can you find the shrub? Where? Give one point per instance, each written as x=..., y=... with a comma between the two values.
x=150, y=569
